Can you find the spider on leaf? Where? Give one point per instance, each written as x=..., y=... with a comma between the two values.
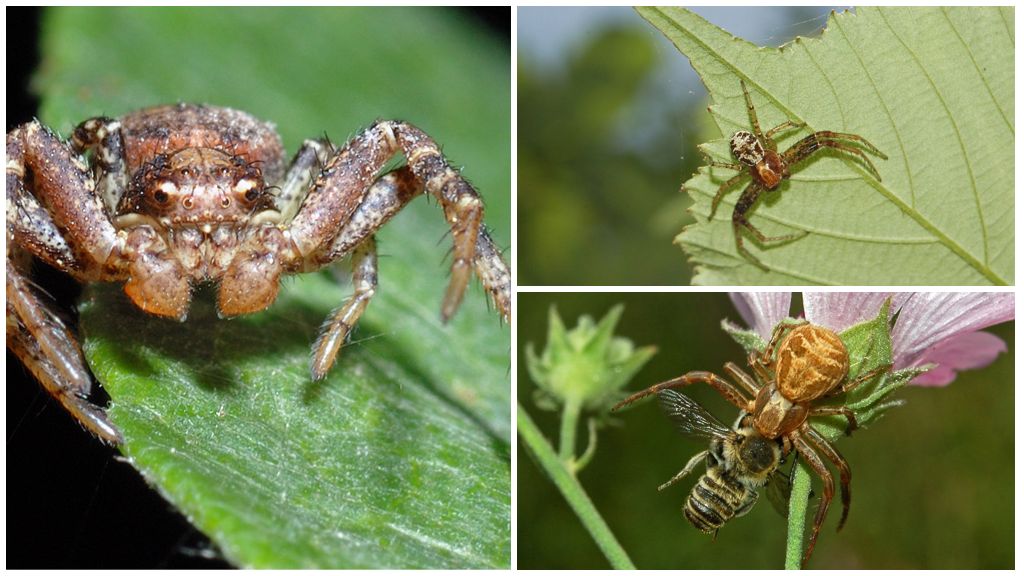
x=759, y=158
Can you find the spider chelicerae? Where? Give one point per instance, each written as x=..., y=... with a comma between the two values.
x=759, y=158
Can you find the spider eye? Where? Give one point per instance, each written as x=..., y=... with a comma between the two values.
x=252, y=195
x=163, y=190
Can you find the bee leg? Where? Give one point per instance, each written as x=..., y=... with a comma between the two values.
x=689, y=468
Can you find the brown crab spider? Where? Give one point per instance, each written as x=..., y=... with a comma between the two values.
x=801, y=364
x=170, y=197
x=759, y=158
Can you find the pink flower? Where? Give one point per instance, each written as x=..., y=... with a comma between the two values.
x=940, y=328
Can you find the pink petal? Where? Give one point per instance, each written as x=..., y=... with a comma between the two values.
x=840, y=310
x=762, y=310
x=928, y=318
x=962, y=352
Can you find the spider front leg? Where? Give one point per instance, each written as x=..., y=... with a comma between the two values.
x=74, y=236
x=825, y=139
x=721, y=385
x=340, y=323
x=345, y=207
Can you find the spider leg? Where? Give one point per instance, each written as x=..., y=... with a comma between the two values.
x=784, y=126
x=866, y=377
x=725, y=188
x=54, y=216
x=814, y=461
x=739, y=221
x=387, y=197
x=51, y=353
x=781, y=330
x=462, y=206
x=339, y=324
x=752, y=113
x=851, y=418
x=811, y=144
x=709, y=161
x=304, y=168
x=103, y=137
x=721, y=385
x=748, y=383
x=64, y=184
x=762, y=370
x=840, y=463
x=829, y=135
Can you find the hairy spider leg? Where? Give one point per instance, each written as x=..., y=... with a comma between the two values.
x=102, y=136
x=840, y=463
x=752, y=113
x=818, y=140
x=306, y=166
x=739, y=221
x=50, y=352
x=725, y=186
x=386, y=197
x=828, y=484
x=745, y=380
x=784, y=126
x=851, y=418
x=721, y=385
x=35, y=333
x=339, y=324
x=778, y=332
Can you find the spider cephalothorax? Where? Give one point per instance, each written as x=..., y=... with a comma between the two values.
x=173, y=196
x=760, y=160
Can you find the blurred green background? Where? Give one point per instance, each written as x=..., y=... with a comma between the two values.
x=933, y=481
x=610, y=115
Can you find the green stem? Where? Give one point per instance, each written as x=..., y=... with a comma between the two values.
x=572, y=491
x=567, y=434
x=588, y=454
x=799, y=498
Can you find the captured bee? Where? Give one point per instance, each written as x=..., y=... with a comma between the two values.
x=739, y=461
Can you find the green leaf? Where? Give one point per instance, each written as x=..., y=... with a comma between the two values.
x=932, y=88
x=400, y=458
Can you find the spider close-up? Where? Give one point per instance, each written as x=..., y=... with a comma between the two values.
x=767, y=168
x=171, y=197
x=801, y=363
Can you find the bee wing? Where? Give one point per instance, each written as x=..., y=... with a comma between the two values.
x=690, y=417
x=779, y=488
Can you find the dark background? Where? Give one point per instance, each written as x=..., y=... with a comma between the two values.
x=72, y=502
x=933, y=481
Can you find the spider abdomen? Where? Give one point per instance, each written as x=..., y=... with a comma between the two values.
x=811, y=361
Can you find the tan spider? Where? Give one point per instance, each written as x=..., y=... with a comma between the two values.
x=759, y=158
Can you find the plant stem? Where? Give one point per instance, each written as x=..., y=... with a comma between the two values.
x=567, y=434
x=572, y=491
x=588, y=454
x=798, y=500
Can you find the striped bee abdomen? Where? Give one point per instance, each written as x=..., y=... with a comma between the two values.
x=717, y=498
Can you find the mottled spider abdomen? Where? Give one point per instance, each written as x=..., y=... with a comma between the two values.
x=746, y=148
x=811, y=361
